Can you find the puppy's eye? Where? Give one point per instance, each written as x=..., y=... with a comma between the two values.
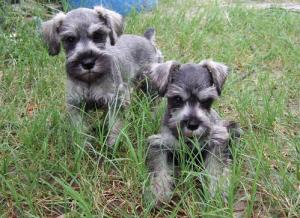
x=70, y=39
x=177, y=100
x=206, y=103
x=99, y=37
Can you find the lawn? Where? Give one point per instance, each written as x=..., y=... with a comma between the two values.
x=45, y=170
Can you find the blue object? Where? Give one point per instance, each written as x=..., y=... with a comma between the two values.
x=121, y=6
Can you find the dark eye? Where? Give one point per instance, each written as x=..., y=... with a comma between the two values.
x=206, y=103
x=177, y=101
x=99, y=37
x=70, y=39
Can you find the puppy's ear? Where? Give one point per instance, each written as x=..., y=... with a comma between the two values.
x=160, y=75
x=218, y=71
x=114, y=22
x=50, y=33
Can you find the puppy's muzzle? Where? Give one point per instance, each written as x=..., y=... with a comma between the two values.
x=88, y=65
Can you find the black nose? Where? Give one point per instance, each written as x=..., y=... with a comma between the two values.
x=88, y=63
x=193, y=124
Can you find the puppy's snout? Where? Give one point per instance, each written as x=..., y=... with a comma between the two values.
x=88, y=63
x=193, y=124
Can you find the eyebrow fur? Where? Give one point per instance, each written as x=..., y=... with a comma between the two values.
x=97, y=27
x=174, y=90
x=68, y=33
x=210, y=92
x=69, y=30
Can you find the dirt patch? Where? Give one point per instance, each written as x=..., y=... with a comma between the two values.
x=294, y=107
x=267, y=5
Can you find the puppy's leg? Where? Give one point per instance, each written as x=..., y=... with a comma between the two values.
x=73, y=100
x=75, y=115
x=115, y=128
x=218, y=160
x=161, y=166
x=123, y=95
x=122, y=101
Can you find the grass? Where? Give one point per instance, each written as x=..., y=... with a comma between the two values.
x=46, y=172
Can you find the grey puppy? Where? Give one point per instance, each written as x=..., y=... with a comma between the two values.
x=190, y=90
x=101, y=62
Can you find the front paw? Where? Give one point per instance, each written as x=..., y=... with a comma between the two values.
x=124, y=95
x=114, y=132
x=161, y=187
x=219, y=179
x=219, y=135
x=219, y=191
x=234, y=129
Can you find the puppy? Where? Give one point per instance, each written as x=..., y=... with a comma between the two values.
x=101, y=62
x=190, y=90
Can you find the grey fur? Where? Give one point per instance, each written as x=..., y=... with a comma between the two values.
x=50, y=30
x=113, y=20
x=101, y=63
x=76, y=22
x=190, y=90
x=219, y=73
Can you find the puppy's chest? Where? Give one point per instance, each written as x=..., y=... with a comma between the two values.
x=98, y=97
x=195, y=153
x=92, y=96
x=197, y=145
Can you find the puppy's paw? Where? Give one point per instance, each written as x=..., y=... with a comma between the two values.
x=124, y=95
x=114, y=132
x=234, y=129
x=161, y=187
x=111, y=140
x=219, y=189
x=220, y=182
x=219, y=135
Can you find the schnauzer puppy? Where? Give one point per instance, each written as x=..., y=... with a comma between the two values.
x=101, y=62
x=190, y=90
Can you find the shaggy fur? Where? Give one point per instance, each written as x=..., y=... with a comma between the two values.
x=190, y=90
x=101, y=63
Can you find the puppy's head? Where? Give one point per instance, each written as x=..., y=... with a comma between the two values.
x=190, y=90
x=84, y=34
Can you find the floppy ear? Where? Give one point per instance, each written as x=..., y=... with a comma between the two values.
x=160, y=75
x=50, y=30
x=113, y=21
x=218, y=71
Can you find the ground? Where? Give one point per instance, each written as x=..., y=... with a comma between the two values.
x=45, y=170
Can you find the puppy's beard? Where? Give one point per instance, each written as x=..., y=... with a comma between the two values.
x=78, y=73
x=199, y=133
x=89, y=76
x=177, y=123
x=102, y=66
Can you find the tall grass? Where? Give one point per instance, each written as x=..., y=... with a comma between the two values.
x=45, y=169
